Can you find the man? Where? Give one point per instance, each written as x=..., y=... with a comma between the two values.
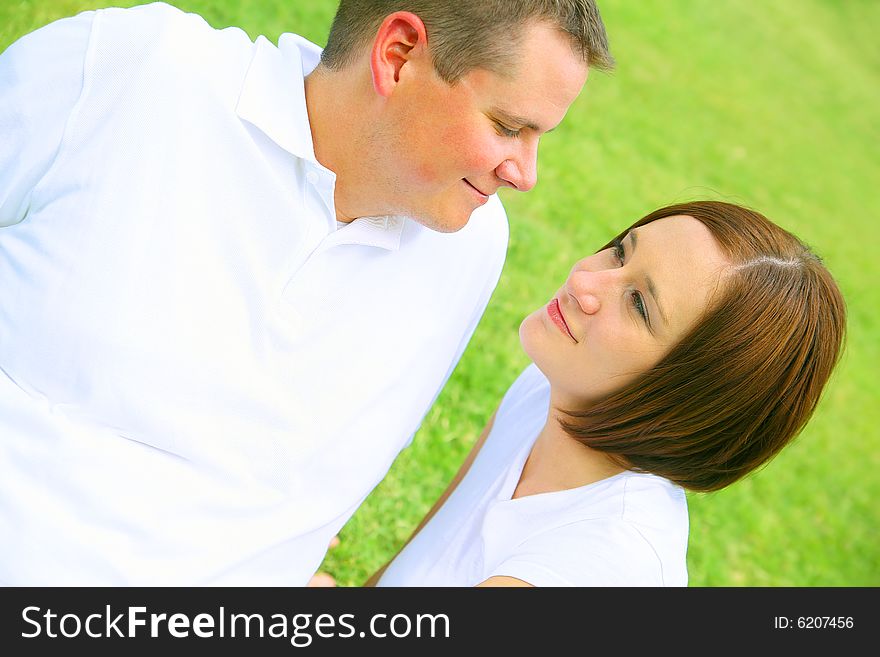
x=235, y=278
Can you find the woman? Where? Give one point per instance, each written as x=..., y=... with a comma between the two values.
x=683, y=355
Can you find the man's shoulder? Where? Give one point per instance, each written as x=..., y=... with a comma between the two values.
x=158, y=43
x=148, y=16
x=159, y=24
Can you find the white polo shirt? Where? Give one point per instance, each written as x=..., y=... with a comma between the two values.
x=201, y=377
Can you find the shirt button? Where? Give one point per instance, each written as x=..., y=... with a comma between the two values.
x=312, y=177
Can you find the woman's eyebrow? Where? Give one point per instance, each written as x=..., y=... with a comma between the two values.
x=652, y=289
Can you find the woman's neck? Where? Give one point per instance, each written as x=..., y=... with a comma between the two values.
x=559, y=462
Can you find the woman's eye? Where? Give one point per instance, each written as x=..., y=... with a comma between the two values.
x=639, y=304
x=617, y=250
x=635, y=297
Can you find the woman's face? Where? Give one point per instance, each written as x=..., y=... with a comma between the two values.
x=621, y=310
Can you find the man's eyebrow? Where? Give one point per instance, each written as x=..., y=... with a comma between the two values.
x=513, y=119
x=633, y=238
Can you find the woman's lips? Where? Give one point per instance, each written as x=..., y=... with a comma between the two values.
x=555, y=313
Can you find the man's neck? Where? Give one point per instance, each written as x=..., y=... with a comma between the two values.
x=334, y=130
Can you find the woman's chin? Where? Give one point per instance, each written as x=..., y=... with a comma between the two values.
x=528, y=339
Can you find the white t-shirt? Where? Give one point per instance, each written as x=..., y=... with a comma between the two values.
x=201, y=377
x=627, y=530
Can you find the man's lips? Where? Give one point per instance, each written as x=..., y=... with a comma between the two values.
x=555, y=313
x=477, y=189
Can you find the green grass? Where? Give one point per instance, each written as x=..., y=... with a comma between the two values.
x=770, y=104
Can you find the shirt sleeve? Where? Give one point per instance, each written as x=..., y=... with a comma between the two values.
x=41, y=79
x=585, y=553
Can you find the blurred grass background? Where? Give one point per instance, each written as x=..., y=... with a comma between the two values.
x=770, y=104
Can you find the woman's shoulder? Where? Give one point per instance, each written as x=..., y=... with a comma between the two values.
x=597, y=552
x=628, y=530
x=643, y=494
x=652, y=506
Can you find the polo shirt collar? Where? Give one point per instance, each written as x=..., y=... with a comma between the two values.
x=279, y=110
x=382, y=232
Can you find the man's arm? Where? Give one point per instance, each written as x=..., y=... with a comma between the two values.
x=41, y=80
x=463, y=470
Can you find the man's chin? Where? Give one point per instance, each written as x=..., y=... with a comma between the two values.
x=442, y=224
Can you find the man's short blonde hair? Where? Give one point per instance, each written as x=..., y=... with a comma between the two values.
x=468, y=34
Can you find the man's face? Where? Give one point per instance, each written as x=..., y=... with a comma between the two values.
x=446, y=148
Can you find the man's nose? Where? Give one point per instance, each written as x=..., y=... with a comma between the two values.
x=521, y=170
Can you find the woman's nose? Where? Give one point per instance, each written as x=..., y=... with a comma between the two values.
x=589, y=303
x=585, y=287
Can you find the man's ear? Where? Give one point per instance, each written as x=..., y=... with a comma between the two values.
x=401, y=36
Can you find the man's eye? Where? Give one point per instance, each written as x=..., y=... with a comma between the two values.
x=505, y=131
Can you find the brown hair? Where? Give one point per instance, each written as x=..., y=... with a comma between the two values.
x=467, y=35
x=745, y=380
